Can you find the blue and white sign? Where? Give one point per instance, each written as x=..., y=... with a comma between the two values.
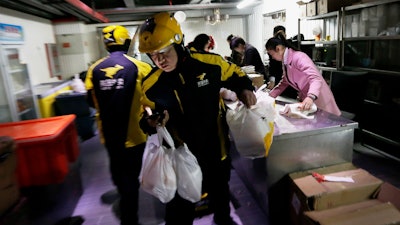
x=11, y=34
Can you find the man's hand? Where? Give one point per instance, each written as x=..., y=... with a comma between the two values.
x=156, y=119
x=248, y=98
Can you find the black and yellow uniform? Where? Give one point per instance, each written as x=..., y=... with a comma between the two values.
x=114, y=83
x=191, y=95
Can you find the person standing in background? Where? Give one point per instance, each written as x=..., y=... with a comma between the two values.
x=201, y=43
x=300, y=72
x=250, y=55
x=235, y=56
x=205, y=43
x=186, y=89
x=114, y=84
x=275, y=69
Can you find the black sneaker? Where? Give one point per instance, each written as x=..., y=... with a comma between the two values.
x=74, y=220
x=229, y=221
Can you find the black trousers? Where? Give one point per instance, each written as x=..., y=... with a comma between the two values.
x=216, y=176
x=125, y=165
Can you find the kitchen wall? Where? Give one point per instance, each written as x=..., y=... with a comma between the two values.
x=39, y=31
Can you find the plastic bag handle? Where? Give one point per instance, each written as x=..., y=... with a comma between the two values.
x=261, y=88
x=163, y=134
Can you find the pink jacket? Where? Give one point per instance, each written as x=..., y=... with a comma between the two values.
x=303, y=75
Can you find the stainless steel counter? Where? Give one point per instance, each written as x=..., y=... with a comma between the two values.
x=298, y=144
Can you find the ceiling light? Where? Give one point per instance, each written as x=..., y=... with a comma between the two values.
x=216, y=17
x=180, y=16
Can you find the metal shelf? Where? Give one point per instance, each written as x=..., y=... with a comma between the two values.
x=319, y=43
x=22, y=91
x=384, y=72
x=327, y=68
x=380, y=137
x=372, y=38
x=369, y=4
x=373, y=102
x=323, y=16
x=17, y=70
x=25, y=111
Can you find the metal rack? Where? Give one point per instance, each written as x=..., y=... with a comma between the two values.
x=383, y=70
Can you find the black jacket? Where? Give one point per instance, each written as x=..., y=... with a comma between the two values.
x=190, y=93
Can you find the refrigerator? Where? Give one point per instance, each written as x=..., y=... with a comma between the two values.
x=17, y=100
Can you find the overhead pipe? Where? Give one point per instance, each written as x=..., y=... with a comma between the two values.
x=82, y=7
x=129, y=3
x=167, y=8
x=23, y=7
x=68, y=9
x=44, y=7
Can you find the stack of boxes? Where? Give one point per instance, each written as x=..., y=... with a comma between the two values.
x=367, y=200
x=320, y=7
x=9, y=189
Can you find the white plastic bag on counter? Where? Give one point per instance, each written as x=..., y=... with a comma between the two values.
x=253, y=129
x=292, y=110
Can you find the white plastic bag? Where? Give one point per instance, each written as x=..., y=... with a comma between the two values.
x=253, y=129
x=188, y=173
x=157, y=176
x=77, y=84
x=292, y=110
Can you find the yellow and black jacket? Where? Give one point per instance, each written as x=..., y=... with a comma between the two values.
x=190, y=93
x=114, y=83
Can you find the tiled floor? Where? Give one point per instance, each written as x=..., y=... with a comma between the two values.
x=90, y=175
x=96, y=181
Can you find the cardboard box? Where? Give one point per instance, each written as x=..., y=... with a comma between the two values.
x=307, y=194
x=9, y=190
x=302, y=10
x=311, y=8
x=383, y=210
x=372, y=212
x=9, y=197
x=257, y=79
x=326, y=6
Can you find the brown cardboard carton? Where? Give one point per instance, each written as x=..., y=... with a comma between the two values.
x=388, y=193
x=9, y=190
x=302, y=11
x=383, y=209
x=326, y=6
x=311, y=9
x=9, y=197
x=371, y=212
x=307, y=194
x=257, y=79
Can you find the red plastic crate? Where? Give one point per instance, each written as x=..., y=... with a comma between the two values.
x=45, y=147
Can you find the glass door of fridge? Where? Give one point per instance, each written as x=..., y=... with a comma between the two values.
x=5, y=109
x=21, y=101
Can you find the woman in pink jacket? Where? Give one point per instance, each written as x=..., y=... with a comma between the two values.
x=300, y=72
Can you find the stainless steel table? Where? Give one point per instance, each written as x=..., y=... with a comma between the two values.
x=298, y=144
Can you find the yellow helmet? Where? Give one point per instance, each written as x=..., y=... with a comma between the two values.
x=158, y=32
x=115, y=35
